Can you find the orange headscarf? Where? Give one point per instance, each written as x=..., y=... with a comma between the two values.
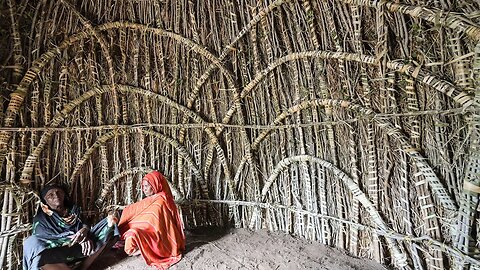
x=160, y=186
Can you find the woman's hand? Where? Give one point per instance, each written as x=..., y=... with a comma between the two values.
x=80, y=237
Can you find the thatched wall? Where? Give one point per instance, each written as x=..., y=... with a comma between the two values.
x=352, y=123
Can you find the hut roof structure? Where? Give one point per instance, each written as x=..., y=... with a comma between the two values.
x=353, y=123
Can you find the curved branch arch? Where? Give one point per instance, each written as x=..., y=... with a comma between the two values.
x=400, y=258
x=447, y=19
x=180, y=149
x=183, y=40
x=93, y=32
x=253, y=22
x=108, y=186
x=461, y=97
x=59, y=117
x=18, y=96
x=210, y=131
x=236, y=98
x=442, y=17
x=430, y=176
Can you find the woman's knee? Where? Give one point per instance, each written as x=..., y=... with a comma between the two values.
x=31, y=241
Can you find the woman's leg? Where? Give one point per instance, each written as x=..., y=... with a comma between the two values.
x=36, y=255
x=61, y=255
x=32, y=247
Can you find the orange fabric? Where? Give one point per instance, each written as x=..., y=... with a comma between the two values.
x=154, y=226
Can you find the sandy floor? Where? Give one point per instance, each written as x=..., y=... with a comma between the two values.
x=244, y=249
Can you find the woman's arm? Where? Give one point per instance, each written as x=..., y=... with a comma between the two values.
x=80, y=236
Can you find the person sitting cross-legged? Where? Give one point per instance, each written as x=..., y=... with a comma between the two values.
x=153, y=226
x=60, y=237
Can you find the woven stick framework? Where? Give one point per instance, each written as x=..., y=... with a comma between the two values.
x=354, y=123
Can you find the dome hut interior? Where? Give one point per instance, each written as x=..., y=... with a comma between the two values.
x=348, y=125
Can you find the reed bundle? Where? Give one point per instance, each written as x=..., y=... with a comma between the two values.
x=354, y=123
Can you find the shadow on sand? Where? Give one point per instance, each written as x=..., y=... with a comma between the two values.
x=199, y=236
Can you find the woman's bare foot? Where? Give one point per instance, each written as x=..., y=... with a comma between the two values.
x=119, y=244
x=135, y=253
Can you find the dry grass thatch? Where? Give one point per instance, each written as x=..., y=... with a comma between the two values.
x=352, y=123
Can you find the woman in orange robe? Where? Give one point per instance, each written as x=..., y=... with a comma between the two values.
x=153, y=225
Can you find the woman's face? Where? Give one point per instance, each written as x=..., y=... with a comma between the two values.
x=147, y=189
x=55, y=198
